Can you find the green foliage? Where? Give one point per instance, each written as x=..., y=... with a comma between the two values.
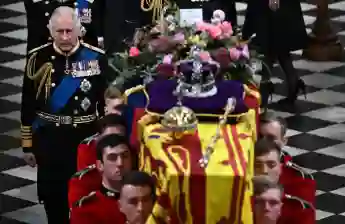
x=152, y=43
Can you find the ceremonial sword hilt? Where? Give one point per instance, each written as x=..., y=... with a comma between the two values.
x=229, y=108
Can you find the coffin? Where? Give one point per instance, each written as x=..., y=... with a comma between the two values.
x=187, y=192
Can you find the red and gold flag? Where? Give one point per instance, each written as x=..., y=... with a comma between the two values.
x=188, y=193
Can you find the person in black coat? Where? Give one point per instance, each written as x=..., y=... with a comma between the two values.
x=279, y=29
x=124, y=16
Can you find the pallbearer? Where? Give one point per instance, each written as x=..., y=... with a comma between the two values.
x=91, y=13
x=62, y=92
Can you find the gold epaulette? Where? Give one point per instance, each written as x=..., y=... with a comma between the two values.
x=82, y=172
x=84, y=199
x=88, y=140
x=26, y=136
x=39, y=48
x=99, y=50
x=304, y=204
x=132, y=90
x=300, y=170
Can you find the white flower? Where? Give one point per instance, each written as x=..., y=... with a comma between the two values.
x=218, y=16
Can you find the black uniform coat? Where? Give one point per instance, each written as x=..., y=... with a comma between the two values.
x=53, y=143
x=276, y=31
x=38, y=13
x=123, y=16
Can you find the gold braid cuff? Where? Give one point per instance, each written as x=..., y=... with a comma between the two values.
x=26, y=132
x=42, y=77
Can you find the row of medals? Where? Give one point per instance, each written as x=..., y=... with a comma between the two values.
x=85, y=86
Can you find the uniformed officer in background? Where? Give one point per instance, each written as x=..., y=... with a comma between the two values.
x=62, y=95
x=124, y=16
x=38, y=12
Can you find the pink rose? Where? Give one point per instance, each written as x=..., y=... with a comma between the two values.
x=179, y=37
x=245, y=52
x=202, y=26
x=204, y=56
x=134, y=51
x=235, y=54
x=214, y=31
x=226, y=28
x=167, y=59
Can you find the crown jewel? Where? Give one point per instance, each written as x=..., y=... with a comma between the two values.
x=197, y=77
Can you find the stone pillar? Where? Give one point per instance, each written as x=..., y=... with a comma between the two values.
x=324, y=45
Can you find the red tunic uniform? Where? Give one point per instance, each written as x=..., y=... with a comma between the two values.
x=297, y=182
x=82, y=183
x=99, y=207
x=87, y=152
x=296, y=211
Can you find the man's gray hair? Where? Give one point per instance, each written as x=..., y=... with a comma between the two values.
x=64, y=11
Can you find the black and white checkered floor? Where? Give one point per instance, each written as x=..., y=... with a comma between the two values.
x=316, y=128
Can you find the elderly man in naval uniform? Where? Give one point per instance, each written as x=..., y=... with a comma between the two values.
x=62, y=98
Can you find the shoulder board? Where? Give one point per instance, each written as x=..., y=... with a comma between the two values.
x=300, y=169
x=82, y=172
x=89, y=139
x=84, y=199
x=93, y=48
x=305, y=204
x=132, y=90
x=39, y=48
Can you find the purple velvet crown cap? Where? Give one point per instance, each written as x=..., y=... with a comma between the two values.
x=186, y=68
x=162, y=98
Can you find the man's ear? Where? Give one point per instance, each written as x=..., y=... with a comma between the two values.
x=49, y=27
x=99, y=166
x=81, y=31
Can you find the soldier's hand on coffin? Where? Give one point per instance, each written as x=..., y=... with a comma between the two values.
x=274, y=4
x=30, y=159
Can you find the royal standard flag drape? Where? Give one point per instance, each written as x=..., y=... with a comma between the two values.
x=188, y=193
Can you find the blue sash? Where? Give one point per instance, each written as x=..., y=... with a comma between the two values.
x=68, y=86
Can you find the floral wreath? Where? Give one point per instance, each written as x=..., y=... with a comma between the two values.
x=157, y=48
